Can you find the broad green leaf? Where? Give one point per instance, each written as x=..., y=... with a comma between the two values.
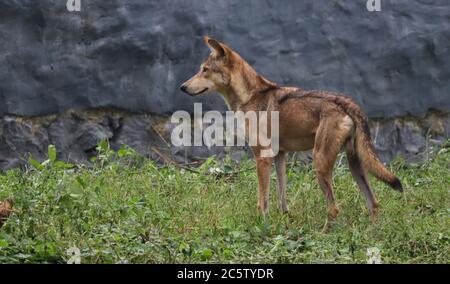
x=35, y=163
x=51, y=153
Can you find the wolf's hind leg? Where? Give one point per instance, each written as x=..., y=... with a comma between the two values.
x=360, y=177
x=332, y=133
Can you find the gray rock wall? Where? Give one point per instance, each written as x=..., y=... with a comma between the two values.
x=76, y=135
x=133, y=54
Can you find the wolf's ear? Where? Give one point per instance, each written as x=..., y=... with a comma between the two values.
x=217, y=48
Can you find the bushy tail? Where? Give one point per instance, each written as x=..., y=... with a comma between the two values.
x=364, y=146
x=366, y=153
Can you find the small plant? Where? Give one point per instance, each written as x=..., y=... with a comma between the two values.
x=51, y=162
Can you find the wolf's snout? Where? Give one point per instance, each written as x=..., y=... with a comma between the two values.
x=183, y=88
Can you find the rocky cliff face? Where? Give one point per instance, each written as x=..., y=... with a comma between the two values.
x=76, y=135
x=132, y=56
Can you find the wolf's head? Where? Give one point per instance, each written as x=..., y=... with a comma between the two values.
x=215, y=72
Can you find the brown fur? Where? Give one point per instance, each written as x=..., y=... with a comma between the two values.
x=5, y=211
x=323, y=121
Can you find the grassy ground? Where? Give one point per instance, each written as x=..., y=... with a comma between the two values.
x=132, y=212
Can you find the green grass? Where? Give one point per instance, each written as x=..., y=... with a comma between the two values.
x=129, y=211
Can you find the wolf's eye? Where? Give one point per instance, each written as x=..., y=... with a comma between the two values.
x=205, y=69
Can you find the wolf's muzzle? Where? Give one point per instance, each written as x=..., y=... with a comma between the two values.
x=183, y=88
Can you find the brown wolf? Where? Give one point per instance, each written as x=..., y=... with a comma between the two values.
x=323, y=121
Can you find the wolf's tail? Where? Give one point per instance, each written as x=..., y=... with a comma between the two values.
x=364, y=147
x=366, y=153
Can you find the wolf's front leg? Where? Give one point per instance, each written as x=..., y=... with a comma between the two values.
x=280, y=164
x=263, y=166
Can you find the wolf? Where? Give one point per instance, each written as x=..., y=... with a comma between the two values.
x=323, y=121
